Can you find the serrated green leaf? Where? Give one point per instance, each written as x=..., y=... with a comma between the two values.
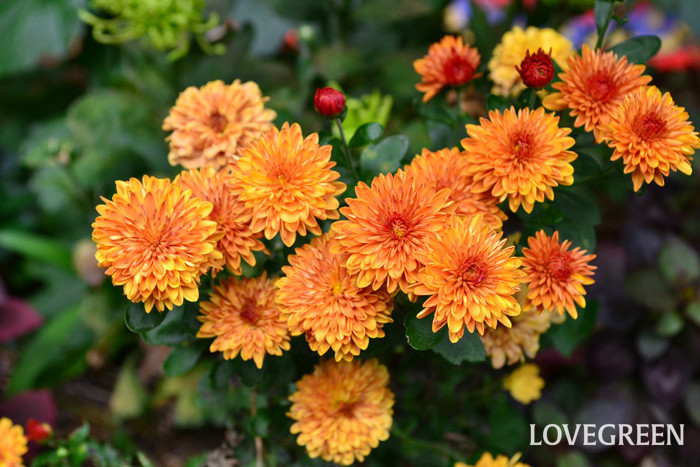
x=469, y=348
x=138, y=321
x=183, y=358
x=384, y=157
x=366, y=133
x=638, y=49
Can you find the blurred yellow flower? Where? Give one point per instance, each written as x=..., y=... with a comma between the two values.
x=13, y=443
x=487, y=460
x=525, y=383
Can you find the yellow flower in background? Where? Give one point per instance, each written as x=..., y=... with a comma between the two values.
x=230, y=214
x=470, y=278
x=320, y=299
x=210, y=124
x=13, y=443
x=512, y=49
x=652, y=136
x=156, y=240
x=487, y=460
x=286, y=181
x=555, y=274
x=342, y=410
x=525, y=383
x=386, y=226
x=519, y=155
x=592, y=87
x=243, y=317
x=448, y=168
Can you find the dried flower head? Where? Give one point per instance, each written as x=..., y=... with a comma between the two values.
x=449, y=62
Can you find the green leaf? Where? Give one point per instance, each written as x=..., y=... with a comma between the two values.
x=182, y=358
x=678, y=262
x=546, y=413
x=485, y=39
x=494, y=102
x=36, y=247
x=269, y=27
x=581, y=215
x=180, y=325
x=647, y=287
x=80, y=435
x=567, y=336
x=384, y=157
x=691, y=401
x=650, y=345
x=367, y=133
x=693, y=311
x=603, y=11
x=670, y=324
x=419, y=332
x=638, y=49
x=129, y=398
x=469, y=348
x=138, y=321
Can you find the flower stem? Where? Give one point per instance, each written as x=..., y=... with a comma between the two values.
x=346, y=150
x=533, y=99
x=259, y=448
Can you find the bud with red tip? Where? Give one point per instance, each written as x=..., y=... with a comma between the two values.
x=329, y=102
x=38, y=431
x=536, y=70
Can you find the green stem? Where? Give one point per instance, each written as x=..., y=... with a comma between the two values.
x=601, y=32
x=533, y=99
x=346, y=150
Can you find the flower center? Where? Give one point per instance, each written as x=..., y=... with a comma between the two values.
x=398, y=227
x=346, y=408
x=650, y=126
x=601, y=87
x=336, y=288
x=457, y=69
x=218, y=122
x=559, y=267
x=471, y=272
x=249, y=313
x=522, y=147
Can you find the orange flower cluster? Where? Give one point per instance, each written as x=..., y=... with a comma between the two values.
x=13, y=443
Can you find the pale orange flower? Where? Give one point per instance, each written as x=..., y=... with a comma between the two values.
x=449, y=62
x=209, y=124
x=286, y=181
x=651, y=135
x=319, y=298
x=230, y=214
x=448, y=168
x=556, y=275
x=592, y=87
x=156, y=240
x=343, y=410
x=386, y=226
x=244, y=318
x=470, y=278
x=520, y=155
x=13, y=443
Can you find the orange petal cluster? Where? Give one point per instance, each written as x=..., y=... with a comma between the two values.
x=230, y=214
x=286, y=182
x=156, y=240
x=449, y=62
x=243, y=317
x=519, y=155
x=209, y=124
x=449, y=168
x=487, y=460
x=469, y=277
x=555, y=274
x=13, y=443
x=342, y=410
x=652, y=136
x=592, y=87
x=386, y=226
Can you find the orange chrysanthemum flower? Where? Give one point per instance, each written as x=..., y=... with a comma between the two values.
x=320, y=299
x=449, y=62
x=343, y=410
x=651, y=135
x=244, y=318
x=13, y=443
x=487, y=460
x=386, y=226
x=555, y=274
x=209, y=124
x=520, y=156
x=470, y=278
x=230, y=214
x=287, y=183
x=595, y=83
x=448, y=168
x=156, y=240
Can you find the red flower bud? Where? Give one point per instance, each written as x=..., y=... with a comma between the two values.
x=38, y=431
x=536, y=70
x=329, y=102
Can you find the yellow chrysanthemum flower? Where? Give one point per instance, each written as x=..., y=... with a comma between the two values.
x=343, y=410
x=512, y=49
x=13, y=443
x=520, y=155
x=487, y=460
x=156, y=240
x=525, y=383
x=209, y=124
x=286, y=181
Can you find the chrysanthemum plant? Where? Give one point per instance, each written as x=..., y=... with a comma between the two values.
x=473, y=248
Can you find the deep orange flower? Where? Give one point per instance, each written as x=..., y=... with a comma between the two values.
x=555, y=274
x=449, y=62
x=343, y=410
x=13, y=444
x=595, y=83
x=470, y=278
x=651, y=135
x=209, y=124
x=448, y=168
x=156, y=240
x=386, y=226
x=520, y=156
x=287, y=183
x=319, y=298
x=230, y=214
x=243, y=317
